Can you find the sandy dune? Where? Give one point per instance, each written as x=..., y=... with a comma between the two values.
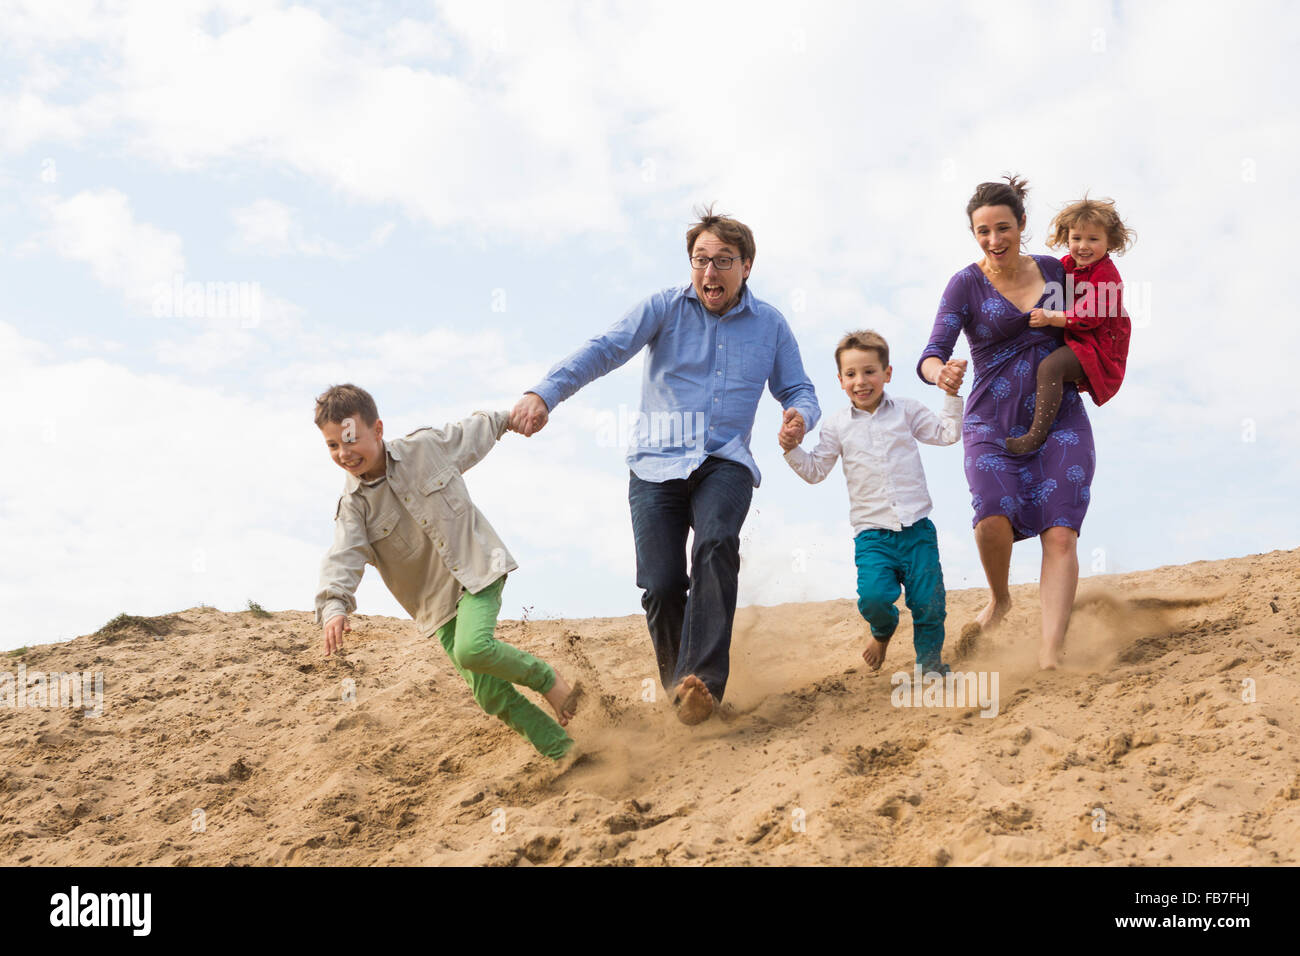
x=242, y=718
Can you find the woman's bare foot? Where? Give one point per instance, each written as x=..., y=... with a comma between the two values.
x=694, y=702
x=564, y=699
x=1049, y=656
x=874, y=655
x=986, y=620
x=993, y=613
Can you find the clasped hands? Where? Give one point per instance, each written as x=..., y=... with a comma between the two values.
x=529, y=416
x=792, y=430
x=950, y=376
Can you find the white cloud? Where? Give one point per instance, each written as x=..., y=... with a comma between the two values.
x=415, y=40
x=85, y=343
x=272, y=228
x=99, y=228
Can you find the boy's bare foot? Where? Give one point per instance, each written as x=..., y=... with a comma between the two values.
x=874, y=655
x=572, y=757
x=694, y=702
x=564, y=699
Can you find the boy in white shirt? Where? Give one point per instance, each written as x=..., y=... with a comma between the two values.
x=895, y=542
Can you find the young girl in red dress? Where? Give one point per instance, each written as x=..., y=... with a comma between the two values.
x=1096, y=326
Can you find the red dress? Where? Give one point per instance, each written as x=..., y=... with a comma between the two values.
x=1097, y=327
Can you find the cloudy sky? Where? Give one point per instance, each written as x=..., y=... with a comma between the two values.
x=438, y=201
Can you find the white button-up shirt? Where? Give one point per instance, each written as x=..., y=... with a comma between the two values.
x=882, y=464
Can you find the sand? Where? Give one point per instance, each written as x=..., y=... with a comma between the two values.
x=1169, y=737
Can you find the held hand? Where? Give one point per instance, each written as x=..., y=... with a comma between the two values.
x=334, y=629
x=529, y=415
x=792, y=428
x=951, y=375
x=786, y=442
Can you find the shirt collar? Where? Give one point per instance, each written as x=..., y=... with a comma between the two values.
x=1088, y=268
x=351, y=482
x=885, y=401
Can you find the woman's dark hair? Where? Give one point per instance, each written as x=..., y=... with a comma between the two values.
x=1010, y=193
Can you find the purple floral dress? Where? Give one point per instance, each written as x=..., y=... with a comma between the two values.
x=1051, y=487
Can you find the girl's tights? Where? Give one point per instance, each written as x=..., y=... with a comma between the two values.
x=1059, y=367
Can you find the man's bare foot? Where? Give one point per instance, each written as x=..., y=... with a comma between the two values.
x=694, y=702
x=564, y=699
x=1049, y=657
x=874, y=655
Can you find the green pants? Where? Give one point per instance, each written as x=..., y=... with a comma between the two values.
x=492, y=668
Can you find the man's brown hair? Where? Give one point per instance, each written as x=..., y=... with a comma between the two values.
x=340, y=402
x=865, y=340
x=730, y=231
x=1098, y=212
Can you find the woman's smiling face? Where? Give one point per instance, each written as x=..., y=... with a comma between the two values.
x=998, y=233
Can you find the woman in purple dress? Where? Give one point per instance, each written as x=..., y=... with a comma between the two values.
x=1043, y=494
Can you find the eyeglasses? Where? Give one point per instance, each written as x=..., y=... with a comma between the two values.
x=721, y=263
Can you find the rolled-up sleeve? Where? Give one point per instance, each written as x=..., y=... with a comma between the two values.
x=954, y=310
x=603, y=353
x=789, y=383
x=343, y=565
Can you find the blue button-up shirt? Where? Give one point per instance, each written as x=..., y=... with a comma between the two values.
x=702, y=381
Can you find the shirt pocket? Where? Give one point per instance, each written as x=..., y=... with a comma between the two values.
x=756, y=360
x=446, y=492
x=386, y=537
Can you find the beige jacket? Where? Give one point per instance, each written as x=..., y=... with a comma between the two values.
x=417, y=526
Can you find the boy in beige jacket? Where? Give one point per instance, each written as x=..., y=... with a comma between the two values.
x=405, y=509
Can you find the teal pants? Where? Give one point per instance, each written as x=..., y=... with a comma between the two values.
x=889, y=561
x=492, y=668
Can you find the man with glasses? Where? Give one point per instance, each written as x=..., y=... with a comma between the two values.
x=713, y=345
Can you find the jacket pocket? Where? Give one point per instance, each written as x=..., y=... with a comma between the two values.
x=387, y=539
x=447, y=488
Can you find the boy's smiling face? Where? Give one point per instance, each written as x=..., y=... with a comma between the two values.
x=863, y=378
x=356, y=447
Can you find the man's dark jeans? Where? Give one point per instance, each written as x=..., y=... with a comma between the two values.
x=691, y=631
